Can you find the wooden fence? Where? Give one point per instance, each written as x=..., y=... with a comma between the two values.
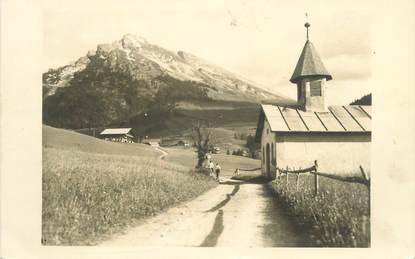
x=365, y=180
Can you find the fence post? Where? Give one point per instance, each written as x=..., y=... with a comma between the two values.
x=286, y=179
x=315, y=178
x=366, y=177
x=297, y=181
x=286, y=182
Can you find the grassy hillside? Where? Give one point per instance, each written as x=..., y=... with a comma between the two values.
x=93, y=188
x=224, y=138
x=221, y=114
x=234, y=116
x=70, y=140
x=187, y=158
x=230, y=138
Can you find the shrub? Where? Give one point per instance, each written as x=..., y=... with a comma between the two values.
x=202, y=170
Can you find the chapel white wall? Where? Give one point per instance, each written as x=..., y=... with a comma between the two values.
x=335, y=154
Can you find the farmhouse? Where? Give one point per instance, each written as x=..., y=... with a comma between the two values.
x=338, y=137
x=118, y=135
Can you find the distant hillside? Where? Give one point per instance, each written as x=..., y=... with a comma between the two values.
x=365, y=100
x=154, y=123
x=120, y=81
x=69, y=140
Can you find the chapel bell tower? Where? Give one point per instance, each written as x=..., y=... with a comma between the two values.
x=310, y=76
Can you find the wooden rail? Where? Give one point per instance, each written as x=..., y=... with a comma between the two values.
x=365, y=180
x=300, y=171
x=349, y=179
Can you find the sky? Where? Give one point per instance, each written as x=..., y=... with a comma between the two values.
x=260, y=40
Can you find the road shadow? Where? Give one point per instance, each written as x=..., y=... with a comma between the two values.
x=280, y=229
x=225, y=201
x=250, y=178
x=244, y=179
x=217, y=229
x=212, y=238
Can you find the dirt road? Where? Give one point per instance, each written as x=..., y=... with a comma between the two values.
x=232, y=215
x=162, y=152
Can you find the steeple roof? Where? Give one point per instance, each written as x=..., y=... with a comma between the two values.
x=309, y=64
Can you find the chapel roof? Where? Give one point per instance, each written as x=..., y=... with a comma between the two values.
x=350, y=118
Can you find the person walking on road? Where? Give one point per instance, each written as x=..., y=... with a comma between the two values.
x=211, y=167
x=217, y=171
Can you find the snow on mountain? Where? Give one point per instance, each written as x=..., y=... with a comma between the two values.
x=146, y=61
x=60, y=77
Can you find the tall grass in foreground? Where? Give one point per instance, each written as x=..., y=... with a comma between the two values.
x=89, y=196
x=337, y=217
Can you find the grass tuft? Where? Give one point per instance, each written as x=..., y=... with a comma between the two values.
x=338, y=217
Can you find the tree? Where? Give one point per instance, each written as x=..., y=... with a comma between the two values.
x=172, y=91
x=251, y=145
x=364, y=100
x=201, y=135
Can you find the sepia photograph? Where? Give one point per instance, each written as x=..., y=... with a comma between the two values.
x=266, y=146
x=218, y=127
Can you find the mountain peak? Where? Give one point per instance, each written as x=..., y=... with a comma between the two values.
x=131, y=41
x=136, y=58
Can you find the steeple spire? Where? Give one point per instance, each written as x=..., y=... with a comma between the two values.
x=310, y=77
x=307, y=24
x=309, y=64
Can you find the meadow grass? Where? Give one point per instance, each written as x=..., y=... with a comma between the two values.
x=338, y=216
x=86, y=197
x=187, y=157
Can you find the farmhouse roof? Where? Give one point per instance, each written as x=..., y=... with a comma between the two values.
x=309, y=64
x=118, y=131
x=351, y=118
x=148, y=140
